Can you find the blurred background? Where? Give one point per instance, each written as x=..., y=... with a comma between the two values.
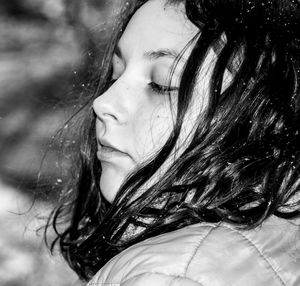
x=46, y=51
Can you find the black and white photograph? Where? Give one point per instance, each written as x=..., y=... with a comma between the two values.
x=150, y=143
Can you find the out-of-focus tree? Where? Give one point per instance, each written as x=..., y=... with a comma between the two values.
x=46, y=49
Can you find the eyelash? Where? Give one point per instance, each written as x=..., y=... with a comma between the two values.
x=157, y=88
x=161, y=89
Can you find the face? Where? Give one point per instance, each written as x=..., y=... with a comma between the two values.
x=135, y=116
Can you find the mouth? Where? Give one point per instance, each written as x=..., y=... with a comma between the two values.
x=107, y=151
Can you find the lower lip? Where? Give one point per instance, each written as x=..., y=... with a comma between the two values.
x=107, y=154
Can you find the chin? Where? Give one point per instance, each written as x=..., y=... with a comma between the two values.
x=110, y=185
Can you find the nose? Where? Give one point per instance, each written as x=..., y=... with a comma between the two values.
x=110, y=106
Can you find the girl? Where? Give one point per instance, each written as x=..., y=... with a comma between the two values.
x=189, y=165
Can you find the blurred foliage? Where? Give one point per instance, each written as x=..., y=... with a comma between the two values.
x=46, y=51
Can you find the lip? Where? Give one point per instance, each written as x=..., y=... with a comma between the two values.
x=108, y=146
x=107, y=151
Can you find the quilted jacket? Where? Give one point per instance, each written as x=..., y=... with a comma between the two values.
x=210, y=254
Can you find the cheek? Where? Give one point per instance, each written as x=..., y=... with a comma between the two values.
x=152, y=129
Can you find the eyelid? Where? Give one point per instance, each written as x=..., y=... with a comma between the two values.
x=162, y=89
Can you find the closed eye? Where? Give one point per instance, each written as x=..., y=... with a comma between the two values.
x=161, y=89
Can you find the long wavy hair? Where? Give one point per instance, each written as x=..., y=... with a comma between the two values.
x=242, y=164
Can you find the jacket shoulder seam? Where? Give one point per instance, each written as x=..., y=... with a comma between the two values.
x=164, y=274
x=252, y=244
x=197, y=248
x=261, y=254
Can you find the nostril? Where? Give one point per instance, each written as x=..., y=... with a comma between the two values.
x=104, y=110
x=112, y=116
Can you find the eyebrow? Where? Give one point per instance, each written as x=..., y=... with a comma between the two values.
x=161, y=53
x=154, y=55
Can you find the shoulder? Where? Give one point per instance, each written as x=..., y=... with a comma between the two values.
x=267, y=255
x=206, y=254
x=165, y=255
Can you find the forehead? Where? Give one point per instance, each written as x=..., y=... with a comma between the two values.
x=157, y=26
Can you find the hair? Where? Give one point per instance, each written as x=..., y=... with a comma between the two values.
x=242, y=164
